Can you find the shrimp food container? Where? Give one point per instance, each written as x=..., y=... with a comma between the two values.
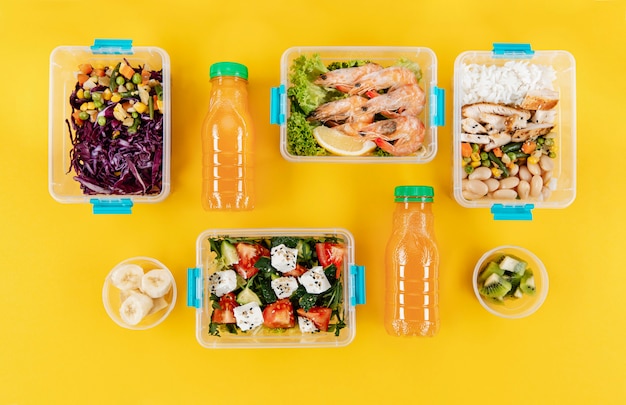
x=131, y=171
x=248, y=292
x=514, y=130
x=298, y=144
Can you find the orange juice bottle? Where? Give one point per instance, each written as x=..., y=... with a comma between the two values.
x=411, y=265
x=227, y=141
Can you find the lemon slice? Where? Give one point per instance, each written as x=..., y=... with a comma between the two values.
x=340, y=144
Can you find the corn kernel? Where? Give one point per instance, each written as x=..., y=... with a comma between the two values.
x=532, y=159
x=140, y=107
x=476, y=163
x=463, y=163
x=80, y=93
x=91, y=105
x=106, y=94
x=475, y=156
x=83, y=106
x=159, y=104
x=496, y=172
x=115, y=98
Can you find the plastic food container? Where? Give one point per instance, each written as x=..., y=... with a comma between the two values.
x=64, y=69
x=125, y=279
x=432, y=115
x=511, y=75
x=513, y=305
x=205, y=282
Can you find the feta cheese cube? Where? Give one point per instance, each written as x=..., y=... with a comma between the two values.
x=306, y=325
x=222, y=282
x=284, y=286
x=315, y=280
x=284, y=259
x=248, y=316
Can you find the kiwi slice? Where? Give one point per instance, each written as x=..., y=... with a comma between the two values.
x=495, y=286
x=527, y=283
x=491, y=268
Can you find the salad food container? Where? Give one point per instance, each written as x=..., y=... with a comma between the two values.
x=514, y=130
x=285, y=113
x=248, y=293
x=139, y=293
x=66, y=64
x=529, y=288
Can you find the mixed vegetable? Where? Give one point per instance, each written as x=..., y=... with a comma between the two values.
x=276, y=284
x=306, y=96
x=117, y=129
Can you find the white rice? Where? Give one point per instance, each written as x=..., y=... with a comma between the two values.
x=506, y=84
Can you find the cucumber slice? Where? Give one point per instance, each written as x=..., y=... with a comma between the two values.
x=229, y=253
x=247, y=296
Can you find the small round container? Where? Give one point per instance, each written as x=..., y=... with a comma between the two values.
x=511, y=307
x=113, y=297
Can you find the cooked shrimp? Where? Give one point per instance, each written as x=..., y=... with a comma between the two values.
x=344, y=79
x=353, y=128
x=399, y=136
x=388, y=78
x=405, y=100
x=347, y=109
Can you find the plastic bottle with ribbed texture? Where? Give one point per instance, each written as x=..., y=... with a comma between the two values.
x=412, y=265
x=227, y=141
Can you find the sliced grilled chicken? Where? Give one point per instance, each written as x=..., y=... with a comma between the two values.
x=471, y=126
x=540, y=100
x=474, y=110
x=543, y=117
x=475, y=138
x=532, y=131
x=497, y=140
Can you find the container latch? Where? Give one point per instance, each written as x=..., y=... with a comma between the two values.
x=512, y=212
x=112, y=46
x=194, y=287
x=277, y=105
x=438, y=106
x=509, y=50
x=357, y=275
x=112, y=206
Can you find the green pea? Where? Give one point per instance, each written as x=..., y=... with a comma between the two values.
x=484, y=156
x=552, y=154
x=469, y=169
x=98, y=103
x=135, y=115
x=96, y=96
x=512, y=156
x=486, y=162
x=83, y=115
x=87, y=94
x=137, y=78
x=119, y=80
x=102, y=120
x=475, y=147
x=549, y=142
x=129, y=86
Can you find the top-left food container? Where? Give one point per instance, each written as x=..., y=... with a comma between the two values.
x=109, y=125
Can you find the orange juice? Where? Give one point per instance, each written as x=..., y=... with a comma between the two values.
x=227, y=141
x=411, y=265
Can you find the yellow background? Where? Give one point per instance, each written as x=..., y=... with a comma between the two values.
x=58, y=346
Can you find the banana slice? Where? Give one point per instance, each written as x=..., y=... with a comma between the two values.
x=127, y=277
x=156, y=283
x=135, y=308
x=159, y=304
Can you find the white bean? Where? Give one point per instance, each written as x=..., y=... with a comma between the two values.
x=464, y=184
x=514, y=170
x=546, y=193
x=546, y=176
x=477, y=187
x=523, y=189
x=546, y=163
x=509, y=182
x=536, y=185
x=492, y=184
x=533, y=168
x=524, y=174
x=506, y=194
x=480, y=173
x=468, y=195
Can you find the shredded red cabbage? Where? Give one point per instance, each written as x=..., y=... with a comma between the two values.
x=113, y=158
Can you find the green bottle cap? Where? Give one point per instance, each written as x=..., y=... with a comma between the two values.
x=414, y=194
x=228, y=69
